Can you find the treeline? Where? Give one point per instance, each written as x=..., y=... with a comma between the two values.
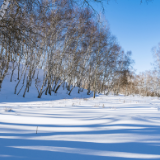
x=146, y=83
x=70, y=44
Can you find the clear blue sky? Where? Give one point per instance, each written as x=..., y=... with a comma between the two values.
x=137, y=28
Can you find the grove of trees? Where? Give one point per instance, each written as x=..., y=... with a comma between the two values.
x=71, y=45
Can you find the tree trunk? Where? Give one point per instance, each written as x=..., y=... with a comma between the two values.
x=4, y=8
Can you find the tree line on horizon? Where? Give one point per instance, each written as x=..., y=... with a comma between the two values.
x=69, y=43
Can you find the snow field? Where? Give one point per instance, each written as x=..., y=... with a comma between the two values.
x=112, y=127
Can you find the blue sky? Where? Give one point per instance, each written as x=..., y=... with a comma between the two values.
x=137, y=28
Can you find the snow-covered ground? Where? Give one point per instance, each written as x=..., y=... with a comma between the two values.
x=78, y=127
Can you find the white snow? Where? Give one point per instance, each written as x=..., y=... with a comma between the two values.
x=77, y=127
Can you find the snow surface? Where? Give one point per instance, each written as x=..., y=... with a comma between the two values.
x=77, y=127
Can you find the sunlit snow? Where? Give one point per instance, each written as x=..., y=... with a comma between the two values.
x=63, y=127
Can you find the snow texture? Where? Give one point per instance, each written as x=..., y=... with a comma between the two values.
x=77, y=127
